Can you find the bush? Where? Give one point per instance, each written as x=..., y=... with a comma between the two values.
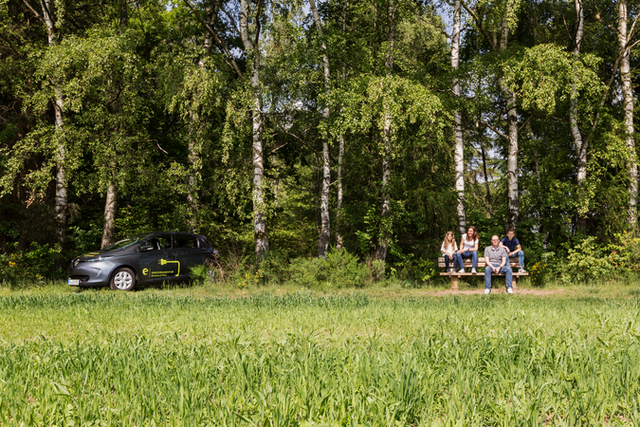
x=339, y=269
x=589, y=261
x=37, y=263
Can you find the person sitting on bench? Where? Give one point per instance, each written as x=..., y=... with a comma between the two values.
x=449, y=250
x=513, y=246
x=496, y=260
x=469, y=248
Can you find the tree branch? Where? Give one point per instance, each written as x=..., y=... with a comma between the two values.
x=306, y=144
x=479, y=24
x=233, y=22
x=495, y=130
x=526, y=122
x=221, y=45
x=32, y=10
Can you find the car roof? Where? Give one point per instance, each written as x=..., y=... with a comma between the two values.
x=175, y=233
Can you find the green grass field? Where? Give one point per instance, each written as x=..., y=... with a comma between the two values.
x=377, y=358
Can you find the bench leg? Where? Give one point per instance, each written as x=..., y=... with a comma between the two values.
x=454, y=283
x=513, y=283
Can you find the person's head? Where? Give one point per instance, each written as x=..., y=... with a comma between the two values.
x=472, y=233
x=495, y=241
x=511, y=233
x=448, y=239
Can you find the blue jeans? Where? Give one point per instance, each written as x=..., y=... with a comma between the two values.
x=456, y=260
x=520, y=255
x=470, y=254
x=504, y=270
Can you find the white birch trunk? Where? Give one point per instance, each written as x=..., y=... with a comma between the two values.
x=513, y=197
x=385, y=229
x=385, y=232
x=261, y=236
x=627, y=92
x=458, y=156
x=325, y=230
x=109, y=215
x=53, y=36
x=339, y=238
x=580, y=144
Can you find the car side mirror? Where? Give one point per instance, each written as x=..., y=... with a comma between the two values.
x=145, y=248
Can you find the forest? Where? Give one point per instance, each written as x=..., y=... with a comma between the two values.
x=288, y=129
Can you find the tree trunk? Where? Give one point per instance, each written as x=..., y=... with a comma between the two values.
x=53, y=37
x=627, y=92
x=109, y=215
x=385, y=228
x=261, y=236
x=579, y=143
x=339, y=238
x=486, y=180
x=459, y=150
x=325, y=231
x=513, y=197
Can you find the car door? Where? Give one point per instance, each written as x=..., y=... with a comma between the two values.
x=189, y=253
x=159, y=264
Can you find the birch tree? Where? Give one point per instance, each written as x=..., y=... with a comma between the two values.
x=506, y=22
x=385, y=230
x=53, y=37
x=339, y=209
x=457, y=116
x=624, y=39
x=252, y=52
x=325, y=230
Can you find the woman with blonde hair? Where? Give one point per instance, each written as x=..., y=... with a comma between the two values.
x=449, y=250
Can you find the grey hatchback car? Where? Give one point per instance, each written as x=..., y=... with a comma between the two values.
x=143, y=259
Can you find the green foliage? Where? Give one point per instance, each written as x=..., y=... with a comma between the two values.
x=589, y=260
x=339, y=269
x=32, y=266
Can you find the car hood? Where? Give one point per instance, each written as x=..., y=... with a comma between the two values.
x=95, y=256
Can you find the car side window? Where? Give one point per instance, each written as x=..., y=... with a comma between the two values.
x=186, y=242
x=161, y=242
x=164, y=242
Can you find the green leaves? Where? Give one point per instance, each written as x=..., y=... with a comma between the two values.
x=546, y=74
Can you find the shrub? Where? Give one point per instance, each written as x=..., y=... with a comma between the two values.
x=588, y=260
x=37, y=263
x=339, y=269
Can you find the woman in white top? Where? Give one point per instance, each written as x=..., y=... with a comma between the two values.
x=469, y=248
x=449, y=250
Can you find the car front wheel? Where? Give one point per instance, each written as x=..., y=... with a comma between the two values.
x=123, y=280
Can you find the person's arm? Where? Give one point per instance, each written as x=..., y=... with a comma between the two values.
x=488, y=264
x=475, y=247
x=461, y=245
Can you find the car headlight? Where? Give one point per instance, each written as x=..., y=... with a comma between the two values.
x=102, y=258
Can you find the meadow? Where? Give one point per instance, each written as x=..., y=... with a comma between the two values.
x=185, y=358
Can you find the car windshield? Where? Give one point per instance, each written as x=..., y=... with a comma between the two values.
x=125, y=243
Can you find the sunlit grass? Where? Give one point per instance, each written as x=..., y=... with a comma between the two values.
x=159, y=357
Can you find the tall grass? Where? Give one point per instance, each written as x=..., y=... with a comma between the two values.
x=301, y=360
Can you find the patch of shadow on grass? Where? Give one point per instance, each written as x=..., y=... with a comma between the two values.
x=634, y=292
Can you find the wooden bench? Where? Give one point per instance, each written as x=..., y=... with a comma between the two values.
x=467, y=264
